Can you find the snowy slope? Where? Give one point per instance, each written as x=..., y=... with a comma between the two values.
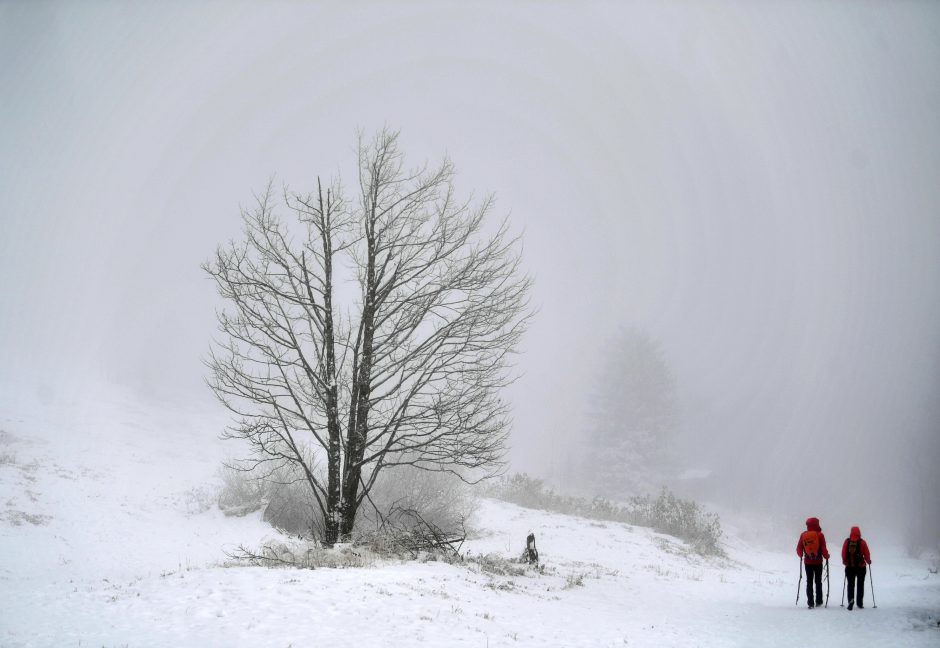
x=108, y=538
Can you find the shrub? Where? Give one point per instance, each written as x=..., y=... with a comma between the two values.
x=681, y=518
x=409, y=505
x=241, y=493
x=282, y=493
x=416, y=514
x=417, y=499
x=574, y=580
x=292, y=507
x=496, y=565
x=199, y=499
x=302, y=554
x=669, y=514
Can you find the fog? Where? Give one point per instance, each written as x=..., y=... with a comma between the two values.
x=754, y=185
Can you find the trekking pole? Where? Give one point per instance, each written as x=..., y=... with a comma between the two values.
x=844, y=577
x=871, y=581
x=801, y=582
x=827, y=583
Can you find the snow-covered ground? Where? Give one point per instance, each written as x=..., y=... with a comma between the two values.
x=108, y=537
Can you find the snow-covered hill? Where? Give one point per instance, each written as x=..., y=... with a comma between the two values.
x=108, y=537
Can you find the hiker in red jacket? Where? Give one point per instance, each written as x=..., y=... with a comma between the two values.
x=811, y=547
x=856, y=558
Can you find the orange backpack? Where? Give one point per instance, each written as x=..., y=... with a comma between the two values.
x=811, y=545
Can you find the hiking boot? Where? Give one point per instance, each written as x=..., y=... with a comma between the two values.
x=851, y=604
x=819, y=603
x=860, y=606
x=810, y=605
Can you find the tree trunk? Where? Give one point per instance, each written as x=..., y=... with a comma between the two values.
x=357, y=433
x=333, y=451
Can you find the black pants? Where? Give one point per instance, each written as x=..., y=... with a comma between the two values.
x=814, y=573
x=856, y=584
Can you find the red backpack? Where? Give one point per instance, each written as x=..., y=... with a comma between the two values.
x=811, y=545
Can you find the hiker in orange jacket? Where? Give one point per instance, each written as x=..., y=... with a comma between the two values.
x=856, y=558
x=811, y=547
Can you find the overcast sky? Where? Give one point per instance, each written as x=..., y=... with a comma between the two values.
x=757, y=185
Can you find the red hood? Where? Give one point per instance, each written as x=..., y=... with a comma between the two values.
x=812, y=524
x=855, y=534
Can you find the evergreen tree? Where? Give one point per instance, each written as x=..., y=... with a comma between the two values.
x=633, y=416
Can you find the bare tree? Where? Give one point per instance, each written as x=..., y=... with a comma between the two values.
x=408, y=374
